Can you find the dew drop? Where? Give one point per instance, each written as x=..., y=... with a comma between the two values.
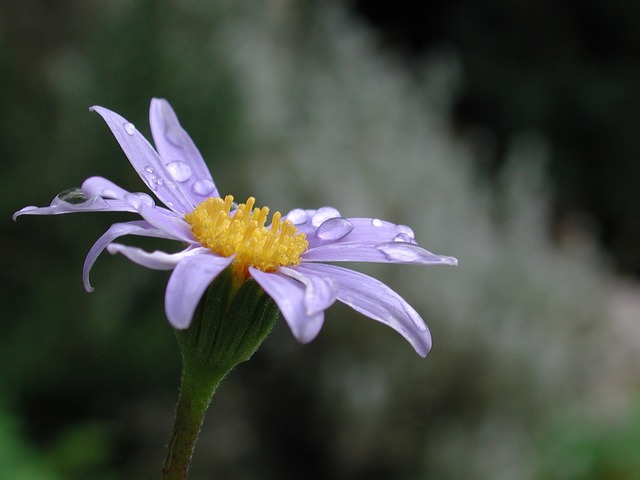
x=334, y=229
x=129, y=127
x=406, y=230
x=376, y=222
x=152, y=179
x=402, y=252
x=73, y=196
x=322, y=214
x=297, y=216
x=203, y=187
x=179, y=170
x=402, y=237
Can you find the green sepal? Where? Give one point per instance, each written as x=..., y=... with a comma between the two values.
x=229, y=325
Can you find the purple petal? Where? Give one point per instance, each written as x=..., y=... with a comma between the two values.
x=289, y=295
x=138, y=227
x=189, y=280
x=179, y=153
x=308, y=221
x=75, y=201
x=167, y=221
x=369, y=231
x=377, y=301
x=155, y=260
x=146, y=161
x=368, y=240
x=101, y=187
x=382, y=253
x=320, y=290
x=399, y=252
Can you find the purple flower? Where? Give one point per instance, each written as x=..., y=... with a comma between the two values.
x=287, y=258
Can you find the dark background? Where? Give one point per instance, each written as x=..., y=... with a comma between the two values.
x=570, y=70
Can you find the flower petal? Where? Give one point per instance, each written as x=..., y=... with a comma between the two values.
x=167, y=221
x=399, y=252
x=74, y=201
x=179, y=153
x=189, y=280
x=146, y=161
x=289, y=295
x=383, y=253
x=101, y=187
x=155, y=260
x=138, y=227
x=369, y=240
x=320, y=290
x=377, y=301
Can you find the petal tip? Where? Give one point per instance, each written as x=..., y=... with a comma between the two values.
x=114, y=248
x=450, y=260
x=178, y=323
x=23, y=211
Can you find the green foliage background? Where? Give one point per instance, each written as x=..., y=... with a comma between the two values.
x=88, y=382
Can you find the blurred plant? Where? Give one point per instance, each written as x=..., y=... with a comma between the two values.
x=76, y=453
x=522, y=334
x=18, y=459
x=523, y=330
x=580, y=447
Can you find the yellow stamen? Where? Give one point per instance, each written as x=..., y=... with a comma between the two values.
x=243, y=233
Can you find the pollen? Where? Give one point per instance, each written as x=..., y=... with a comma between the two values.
x=242, y=232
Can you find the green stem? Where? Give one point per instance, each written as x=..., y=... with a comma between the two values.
x=228, y=326
x=197, y=388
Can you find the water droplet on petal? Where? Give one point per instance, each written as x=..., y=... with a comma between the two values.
x=334, y=229
x=137, y=200
x=402, y=252
x=179, y=170
x=402, y=237
x=297, y=216
x=74, y=196
x=406, y=230
x=203, y=187
x=376, y=222
x=129, y=127
x=152, y=179
x=322, y=214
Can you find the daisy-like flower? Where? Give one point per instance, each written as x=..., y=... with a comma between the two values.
x=286, y=258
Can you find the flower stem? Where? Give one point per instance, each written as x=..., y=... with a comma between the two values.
x=229, y=325
x=197, y=388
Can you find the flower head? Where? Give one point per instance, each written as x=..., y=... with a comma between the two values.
x=286, y=257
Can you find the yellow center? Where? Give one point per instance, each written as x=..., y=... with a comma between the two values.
x=243, y=233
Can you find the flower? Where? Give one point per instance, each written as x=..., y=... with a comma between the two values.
x=286, y=258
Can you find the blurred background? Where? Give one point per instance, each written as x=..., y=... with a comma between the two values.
x=504, y=133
